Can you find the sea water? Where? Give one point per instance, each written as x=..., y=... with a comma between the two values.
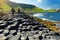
x=49, y=16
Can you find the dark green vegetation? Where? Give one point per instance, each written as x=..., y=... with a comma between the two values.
x=24, y=7
x=6, y=5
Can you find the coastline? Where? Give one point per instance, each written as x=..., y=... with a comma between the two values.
x=49, y=24
x=52, y=24
x=55, y=22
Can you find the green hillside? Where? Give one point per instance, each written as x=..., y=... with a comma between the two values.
x=28, y=7
x=4, y=7
x=13, y=4
x=24, y=7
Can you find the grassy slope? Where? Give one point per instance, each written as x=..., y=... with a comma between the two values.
x=4, y=7
x=24, y=7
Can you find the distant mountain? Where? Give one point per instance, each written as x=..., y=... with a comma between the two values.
x=13, y=4
x=25, y=7
x=6, y=5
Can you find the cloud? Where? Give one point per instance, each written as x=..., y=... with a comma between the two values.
x=39, y=0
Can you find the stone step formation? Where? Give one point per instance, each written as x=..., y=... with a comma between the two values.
x=23, y=27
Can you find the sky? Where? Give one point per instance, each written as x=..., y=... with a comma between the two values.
x=44, y=4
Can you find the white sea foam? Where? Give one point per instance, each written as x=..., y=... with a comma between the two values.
x=38, y=14
x=48, y=20
x=44, y=19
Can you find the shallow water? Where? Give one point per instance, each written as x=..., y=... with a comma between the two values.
x=54, y=17
x=48, y=16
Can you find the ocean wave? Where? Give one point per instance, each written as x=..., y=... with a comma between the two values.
x=38, y=15
x=44, y=19
x=48, y=16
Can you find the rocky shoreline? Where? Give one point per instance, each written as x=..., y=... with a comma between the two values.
x=24, y=27
x=49, y=24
